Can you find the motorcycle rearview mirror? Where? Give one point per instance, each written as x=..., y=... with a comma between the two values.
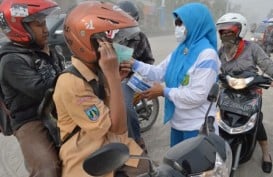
x=98, y=163
x=213, y=94
x=209, y=120
x=109, y=158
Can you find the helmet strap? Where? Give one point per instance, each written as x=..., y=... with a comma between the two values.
x=29, y=31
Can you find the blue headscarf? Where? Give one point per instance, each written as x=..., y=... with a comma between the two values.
x=201, y=34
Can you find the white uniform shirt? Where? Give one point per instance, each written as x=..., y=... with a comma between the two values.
x=190, y=100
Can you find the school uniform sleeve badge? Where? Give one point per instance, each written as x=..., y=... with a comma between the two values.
x=186, y=80
x=92, y=113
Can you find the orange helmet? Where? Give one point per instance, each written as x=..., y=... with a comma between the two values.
x=15, y=14
x=90, y=18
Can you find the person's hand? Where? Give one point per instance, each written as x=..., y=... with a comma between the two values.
x=108, y=59
x=123, y=74
x=127, y=65
x=125, y=68
x=153, y=92
x=137, y=98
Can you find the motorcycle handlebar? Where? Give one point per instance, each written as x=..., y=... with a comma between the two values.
x=258, y=81
x=262, y=81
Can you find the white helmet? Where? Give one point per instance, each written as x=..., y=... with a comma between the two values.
x=231, y=21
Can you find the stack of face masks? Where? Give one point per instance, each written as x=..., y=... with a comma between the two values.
x=139, y=83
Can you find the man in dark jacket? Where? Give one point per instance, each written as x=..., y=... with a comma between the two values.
x=27, y=70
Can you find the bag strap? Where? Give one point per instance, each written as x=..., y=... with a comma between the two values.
x=74, y=131
x=97, y=87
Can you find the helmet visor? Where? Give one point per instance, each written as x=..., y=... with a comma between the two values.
x=41, y=15
x=117, y=35
x=126, y=34
x=234, y=27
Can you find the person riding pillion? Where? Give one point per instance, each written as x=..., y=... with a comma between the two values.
x=27, y=69
x=89, y=31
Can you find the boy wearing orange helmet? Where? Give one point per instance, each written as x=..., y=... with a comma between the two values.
x=98, y=114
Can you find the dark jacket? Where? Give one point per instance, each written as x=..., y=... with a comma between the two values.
x=24, y=84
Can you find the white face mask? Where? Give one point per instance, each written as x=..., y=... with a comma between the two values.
x=180, y=33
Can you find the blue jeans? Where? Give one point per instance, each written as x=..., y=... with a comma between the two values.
x=178, y=136
x=132, y=119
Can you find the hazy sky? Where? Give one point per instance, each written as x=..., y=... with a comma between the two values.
x=254, y=10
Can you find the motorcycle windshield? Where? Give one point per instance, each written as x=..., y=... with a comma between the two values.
x=239, y=103
x=185, y=155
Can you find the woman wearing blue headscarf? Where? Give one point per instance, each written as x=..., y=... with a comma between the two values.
x=188, y=72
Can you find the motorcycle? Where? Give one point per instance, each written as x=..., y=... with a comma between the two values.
x=205, y=155
x=240, y=113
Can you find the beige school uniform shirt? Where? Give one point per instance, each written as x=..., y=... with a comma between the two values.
x=78, y=105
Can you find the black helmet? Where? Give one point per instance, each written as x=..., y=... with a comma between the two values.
x=130, y=8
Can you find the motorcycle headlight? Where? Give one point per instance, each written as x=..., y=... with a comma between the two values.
x=238, y=83
x=254, y=39
x=237, y=130
x=221, y=168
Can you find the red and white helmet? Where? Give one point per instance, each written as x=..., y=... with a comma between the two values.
x=15, y=14
x=234, y=22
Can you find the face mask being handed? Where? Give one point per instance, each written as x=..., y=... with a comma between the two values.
x=123, y=53
x=180, y=33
